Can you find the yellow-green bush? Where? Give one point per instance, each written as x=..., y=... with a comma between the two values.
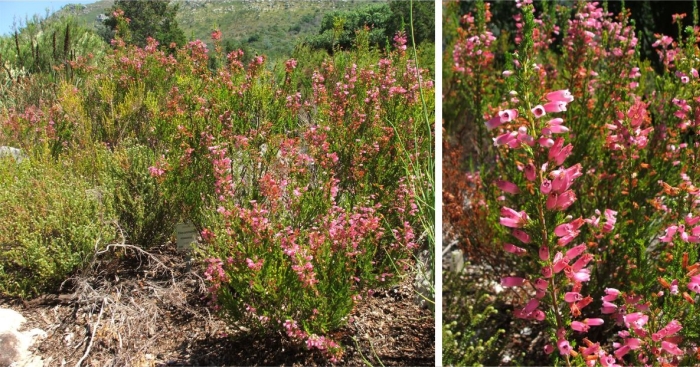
x=50, y=224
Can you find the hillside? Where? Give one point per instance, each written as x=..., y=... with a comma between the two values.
x=266, y=27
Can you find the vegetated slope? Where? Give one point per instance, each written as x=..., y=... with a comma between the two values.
x=267, y=27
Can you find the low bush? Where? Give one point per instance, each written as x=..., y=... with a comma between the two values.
x=51, y=222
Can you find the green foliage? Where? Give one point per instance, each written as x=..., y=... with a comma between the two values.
x=423, y=14
x=145, y=216
x=311, y=181
x=338, y=28
x=51, y=221
x=382, y=21
x=40, y=55
x=470, y=332
x=154, y=18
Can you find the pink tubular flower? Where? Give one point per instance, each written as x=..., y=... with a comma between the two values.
x=560, y=201
x=501, y=118
x=636, y=320
x=552, y=107
x=530, y=172
x=546, y=186
x=519, y=251
x=538, y=111
x=564, y=347
x=694, y=284
x=621, y=351
x=668, y=236
x=671, y=348
x=522, y=236
x=611, y=294
x=610, y=220
x=504, y=139
x=608, y=308
x=560, y=96
x=512, y=281
x=545, y=142
x=568, y=231
x=554, y=126
x=513, y=219
x=507, y=186
x=572, y=297
x=575, y=251
x=548, y=349
x=583, y=326
x=544, y=253
x=558, y=152
x=671, y=328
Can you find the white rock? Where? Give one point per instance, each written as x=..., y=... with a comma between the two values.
x=14, y=344
x=15, y=153
x=10, y=320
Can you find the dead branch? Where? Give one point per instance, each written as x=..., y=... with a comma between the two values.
x=92, y=337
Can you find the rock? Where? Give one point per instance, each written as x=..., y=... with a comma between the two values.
x=423, y=282
x=15, y=153
x=14, y=344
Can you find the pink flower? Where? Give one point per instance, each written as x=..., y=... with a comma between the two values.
x=554, y=126
x=568, y=231
x=572, y=297
x=560, y=201
x=564, y=347
x=538, y=111
x=504, y=139
x=560, y=96
x=513, y=219
x=636, y=320
x=544, y=253
x=548, y=349
x=546, y=186
x=156, y=171
x=558, y=153
x=584, y=326
x=552, y=107
x=507, y=186
x=501, y=118
x=512, y=281
x=530, y=172
x=668, y=236
x=522, y=236
x=541, y=284
x=575, y=251
x=694, y=284
x=608, y=308
x=509, y=247
x=621, y=351
x=671, y=328
x=610, y=220
x=611, y=294
x=671, y=348
x=545, y=142
x=507, y=73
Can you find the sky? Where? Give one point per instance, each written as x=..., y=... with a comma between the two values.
x=20, y=10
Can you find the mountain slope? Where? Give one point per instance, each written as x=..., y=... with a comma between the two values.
x=262, y=26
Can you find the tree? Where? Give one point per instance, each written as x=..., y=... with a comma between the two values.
x=338, y=27
x=153, y=18
x=383, y=20
x=423, y=20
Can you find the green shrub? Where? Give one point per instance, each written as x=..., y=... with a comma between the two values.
x=145, y=216
x=50, y=224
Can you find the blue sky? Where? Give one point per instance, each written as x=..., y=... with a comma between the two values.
x=13, y=9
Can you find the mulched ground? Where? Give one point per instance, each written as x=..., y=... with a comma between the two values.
x=136, y=309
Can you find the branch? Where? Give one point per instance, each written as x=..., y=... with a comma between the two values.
x=92, y=337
